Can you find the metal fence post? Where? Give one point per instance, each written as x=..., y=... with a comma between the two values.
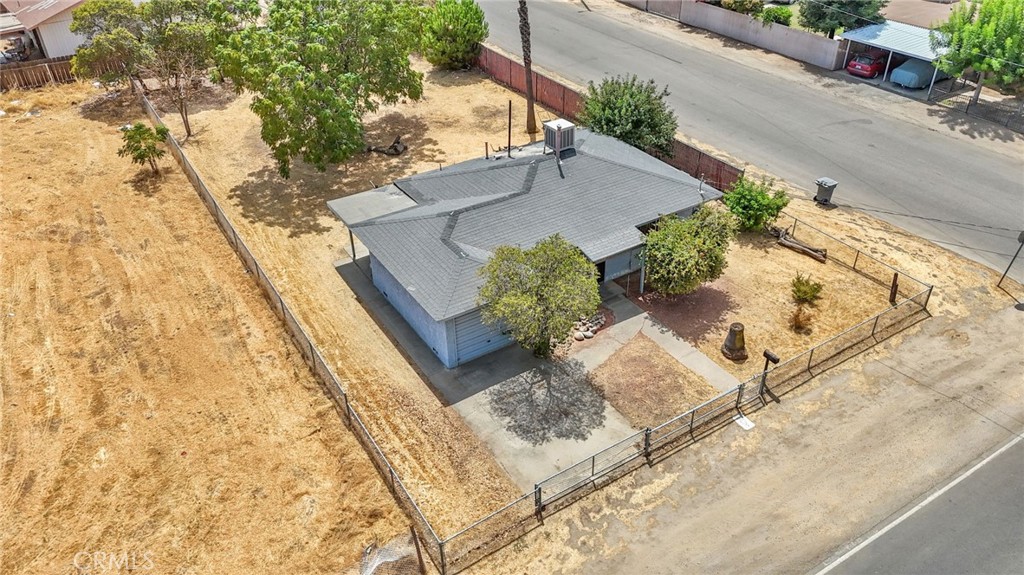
x=855, y=258
x=647, y=442
x=693, y=413
x=810, y=358
x=537, y=500
x=875, y=326
x=739, y=395
x=440, y=551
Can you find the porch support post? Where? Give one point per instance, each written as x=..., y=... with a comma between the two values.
x=935, y=73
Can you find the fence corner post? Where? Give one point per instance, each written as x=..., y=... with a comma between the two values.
x=440, y=552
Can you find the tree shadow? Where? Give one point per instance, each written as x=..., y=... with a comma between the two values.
x=971, y=126
x=555, y=400
x=451, y=78
x=299, y=204
x=690, y=316
x=145, y=182
x=113, y=108
x=208, y=97
x=760, y=241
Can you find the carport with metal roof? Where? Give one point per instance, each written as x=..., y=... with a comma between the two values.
x=899, y=38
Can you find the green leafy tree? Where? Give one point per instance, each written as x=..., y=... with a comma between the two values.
x=776, y=15
x=826, y=16
x=680, y=255
x=538, y=293
x=316, y=67
x=97, y=17
x=755, y=204
x=987, y=37
x=632, y=111
x=113, y=50
x=751, y=7
x=452, y=33
x=141, y=144
x=179, y=32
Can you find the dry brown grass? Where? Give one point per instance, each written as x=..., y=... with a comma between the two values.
x=649, y=386
x=149, y=399
x=53, y=97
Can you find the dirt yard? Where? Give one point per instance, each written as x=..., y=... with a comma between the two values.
x=755, y=291
x=288, y=227
x=150, y=401
x=649, y=386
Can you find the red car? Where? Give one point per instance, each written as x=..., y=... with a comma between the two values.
x=868, y=64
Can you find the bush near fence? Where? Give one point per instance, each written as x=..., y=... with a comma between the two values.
x=566, y=102
x=518, y=517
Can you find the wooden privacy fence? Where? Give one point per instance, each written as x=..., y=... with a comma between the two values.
x=566, y=102
x=38, y=73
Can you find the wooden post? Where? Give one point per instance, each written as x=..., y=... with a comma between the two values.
x=893, y=289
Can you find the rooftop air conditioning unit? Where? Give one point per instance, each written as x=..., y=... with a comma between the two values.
x=559, y=135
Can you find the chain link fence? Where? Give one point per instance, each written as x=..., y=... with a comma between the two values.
x=958, y=94
x=518, y=517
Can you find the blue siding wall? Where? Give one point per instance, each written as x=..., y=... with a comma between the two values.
x=433, y=333
x=621, y=264
x=474, y=338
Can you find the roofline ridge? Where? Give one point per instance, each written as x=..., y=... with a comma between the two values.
x=641, y=170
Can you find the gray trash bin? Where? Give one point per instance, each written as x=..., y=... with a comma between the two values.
x=825, y=188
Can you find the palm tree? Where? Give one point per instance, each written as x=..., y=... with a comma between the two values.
x=524, y=33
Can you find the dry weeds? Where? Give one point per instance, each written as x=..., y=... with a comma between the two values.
x=649, y=386
x=149, y=399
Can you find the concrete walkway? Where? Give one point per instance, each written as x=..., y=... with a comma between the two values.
x=631, y=320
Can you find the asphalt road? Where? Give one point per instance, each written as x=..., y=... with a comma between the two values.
x=977, y=527
x=950, y=190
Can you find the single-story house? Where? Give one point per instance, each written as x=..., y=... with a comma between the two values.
x=48, y=22
x=429, y=234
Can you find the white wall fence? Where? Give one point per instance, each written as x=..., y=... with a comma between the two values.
x=799, y=45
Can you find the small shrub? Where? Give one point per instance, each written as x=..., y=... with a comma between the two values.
x=452, y=34
x=805, y=290
x=755, y=204
x=140, y=144
x=776, y=15
x=751, y=7
x=800, y=320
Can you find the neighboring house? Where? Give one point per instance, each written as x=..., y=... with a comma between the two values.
x=48, y=22
x=429, y=234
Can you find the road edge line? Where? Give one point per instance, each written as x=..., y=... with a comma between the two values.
x=920, y=505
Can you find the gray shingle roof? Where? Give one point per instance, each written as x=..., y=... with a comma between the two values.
x=596, y=199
